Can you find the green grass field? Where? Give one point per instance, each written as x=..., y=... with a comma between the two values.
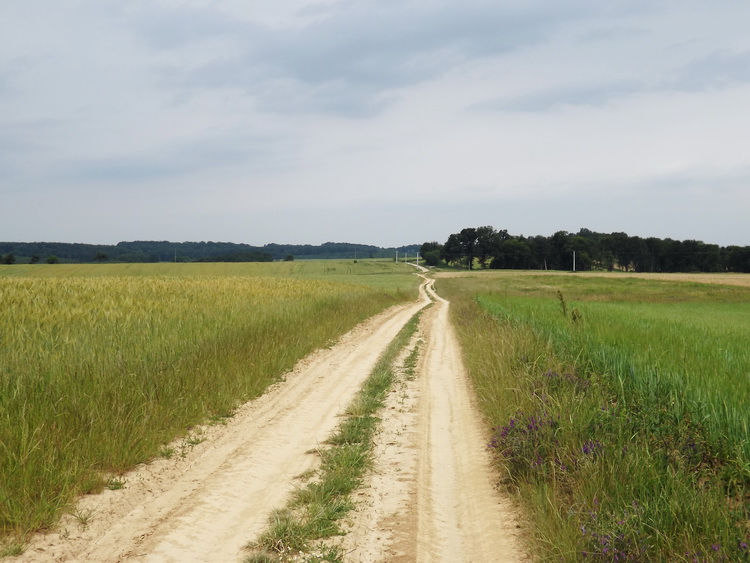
x=621, y=410
x=103, y=365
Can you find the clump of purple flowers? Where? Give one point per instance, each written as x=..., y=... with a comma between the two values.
x=592, y=448
x=610, y=536
x=527, y=444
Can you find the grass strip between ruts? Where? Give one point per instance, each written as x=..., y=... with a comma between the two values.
x=314, y=511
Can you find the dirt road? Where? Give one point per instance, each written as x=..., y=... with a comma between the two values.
x=429, y=499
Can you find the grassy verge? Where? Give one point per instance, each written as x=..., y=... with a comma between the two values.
x=620, y=411
x=99, y=371
x=314, y=511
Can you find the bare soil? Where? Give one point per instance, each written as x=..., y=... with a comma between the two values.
x=430, y=498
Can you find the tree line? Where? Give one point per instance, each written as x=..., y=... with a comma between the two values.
x=486, y=247
x=204, y=251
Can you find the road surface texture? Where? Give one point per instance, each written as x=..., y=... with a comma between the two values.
x=430, y=497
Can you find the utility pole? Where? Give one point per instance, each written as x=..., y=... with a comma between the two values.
x=574, y=260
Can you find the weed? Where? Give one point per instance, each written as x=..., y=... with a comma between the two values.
x=12, y=549
x=410, y=363
x=194, y=440
x=262, y=558
x=84, y=516
x=563, y=304
x=222, y=418
x=115, y=484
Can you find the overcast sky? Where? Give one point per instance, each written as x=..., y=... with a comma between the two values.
x=383, y=122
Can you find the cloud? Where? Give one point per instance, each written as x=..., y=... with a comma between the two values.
x=23, y=148
x=5, y=84
x=222, y=110
x=720, y=69
x=184, y=159
x=558, y=98
x=351, y=56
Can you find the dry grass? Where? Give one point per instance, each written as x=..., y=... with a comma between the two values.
x=742, y=280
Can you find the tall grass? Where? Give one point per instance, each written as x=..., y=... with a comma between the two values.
x=621, y=416
x=97, y=373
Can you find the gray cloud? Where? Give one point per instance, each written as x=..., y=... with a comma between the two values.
x=556, y=98
x=353, y=54
x=5, y=85
x=719, y=69
x=24, y=145
x=165, y=29
x=182, y=159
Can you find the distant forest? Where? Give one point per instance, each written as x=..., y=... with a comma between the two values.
x=475, y=247
x=486, y=247
x=164, y=251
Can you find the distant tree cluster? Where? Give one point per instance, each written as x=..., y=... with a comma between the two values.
x=241, y=257
x=165, y=251
x=486, y=247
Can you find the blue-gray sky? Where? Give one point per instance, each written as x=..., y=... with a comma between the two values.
x=383, y=122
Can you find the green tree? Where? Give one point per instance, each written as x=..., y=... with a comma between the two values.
x=429, y=246
x=582, y=248
x=540, y=248
x=468, y=240
x=432, y=258
x=511, y=253
x=562, y=256
x=430, y=253
x=9, y=258
x=452, y=251
x=487, y=239
x=53, y=260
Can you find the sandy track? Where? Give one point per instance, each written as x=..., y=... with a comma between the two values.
x=206, y=506
x=431, y=496
x=460, y=515
x=429, y=499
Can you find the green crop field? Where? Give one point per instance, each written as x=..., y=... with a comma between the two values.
x=620, y=407
x=102, y=365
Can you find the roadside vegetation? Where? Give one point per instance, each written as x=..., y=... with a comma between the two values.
x=620, y=410
x=294, y=533
x=103, y=365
